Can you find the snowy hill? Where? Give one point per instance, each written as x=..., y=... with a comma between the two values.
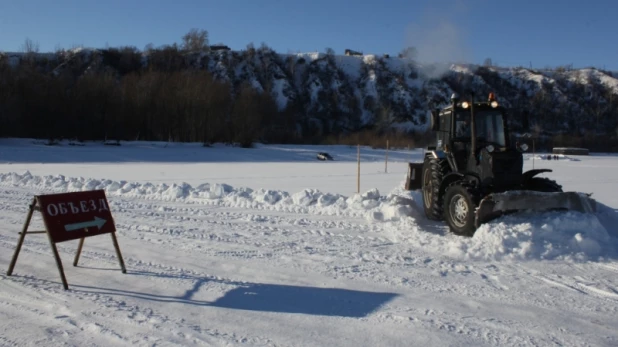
x=328, y=93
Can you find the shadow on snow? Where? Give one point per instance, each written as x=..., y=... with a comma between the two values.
x=276, y=298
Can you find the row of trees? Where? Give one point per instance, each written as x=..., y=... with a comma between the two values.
x=186, y=106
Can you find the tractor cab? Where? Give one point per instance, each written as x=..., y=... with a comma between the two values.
x=476, y=137
x=489, y=124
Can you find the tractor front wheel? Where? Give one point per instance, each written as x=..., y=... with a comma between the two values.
x=460, y=204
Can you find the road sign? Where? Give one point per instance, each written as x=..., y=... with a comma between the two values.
x=70, y=216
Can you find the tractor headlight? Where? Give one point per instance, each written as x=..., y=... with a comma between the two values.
x=490, y=148
x=494, y=104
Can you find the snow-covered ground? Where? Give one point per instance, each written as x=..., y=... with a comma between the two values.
x=268, y=246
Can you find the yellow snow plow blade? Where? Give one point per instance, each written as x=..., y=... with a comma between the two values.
x=497, y=204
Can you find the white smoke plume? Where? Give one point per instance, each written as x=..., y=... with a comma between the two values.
x=440, y=38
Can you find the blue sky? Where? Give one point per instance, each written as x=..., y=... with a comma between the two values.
x=542, y=33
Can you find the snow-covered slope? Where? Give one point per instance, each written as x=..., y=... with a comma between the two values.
x=334, y=93
x=232, y=259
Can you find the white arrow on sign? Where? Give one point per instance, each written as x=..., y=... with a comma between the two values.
x=97, y=222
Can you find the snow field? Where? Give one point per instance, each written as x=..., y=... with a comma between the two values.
x=217, y=255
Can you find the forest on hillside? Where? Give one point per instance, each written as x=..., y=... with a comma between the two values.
x=195, y=92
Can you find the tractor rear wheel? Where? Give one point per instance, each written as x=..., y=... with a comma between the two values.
x=460, y=203
x=433, y=173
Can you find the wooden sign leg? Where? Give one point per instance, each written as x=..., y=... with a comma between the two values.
x=79, y=251
x=21, y=238
x=58, y=262
x=118, y=254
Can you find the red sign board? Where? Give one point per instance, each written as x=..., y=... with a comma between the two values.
x=76, y=215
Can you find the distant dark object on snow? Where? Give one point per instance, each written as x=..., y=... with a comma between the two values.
x=324, y=156
x=570, y=150
x=52, y=142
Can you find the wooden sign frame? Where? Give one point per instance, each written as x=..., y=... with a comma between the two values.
x=79, y=231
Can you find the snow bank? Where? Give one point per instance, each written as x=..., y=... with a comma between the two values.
x=551, y=235
x=565, y=236
x=370, y=204
x=570, y=236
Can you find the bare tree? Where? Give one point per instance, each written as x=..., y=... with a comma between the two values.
x=195, y=41
x=330, y=55
x=149, y=48
x=30, y=46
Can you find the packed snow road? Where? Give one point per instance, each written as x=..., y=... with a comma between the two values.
x=296, y=259
x=218, y=273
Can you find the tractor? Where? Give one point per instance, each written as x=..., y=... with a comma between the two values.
x=474, y=172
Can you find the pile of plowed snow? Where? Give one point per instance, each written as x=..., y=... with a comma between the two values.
x=568, y=235
x=551, y=235
x=369, y=204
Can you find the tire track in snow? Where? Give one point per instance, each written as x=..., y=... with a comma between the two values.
x=174, y=214
x=484, y=331
x=115, y=310
x=487, y=331
x=596, y=299
x=581, y=285
x=612, y=267
x=57, y=324
x=249, y=229
x=201, y=215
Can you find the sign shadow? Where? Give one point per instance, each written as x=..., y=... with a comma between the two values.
x=263, y=297
x=303, y=300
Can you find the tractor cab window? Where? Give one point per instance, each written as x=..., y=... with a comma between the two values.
x=445, y=123
x=489, y=126
x=462, y=125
